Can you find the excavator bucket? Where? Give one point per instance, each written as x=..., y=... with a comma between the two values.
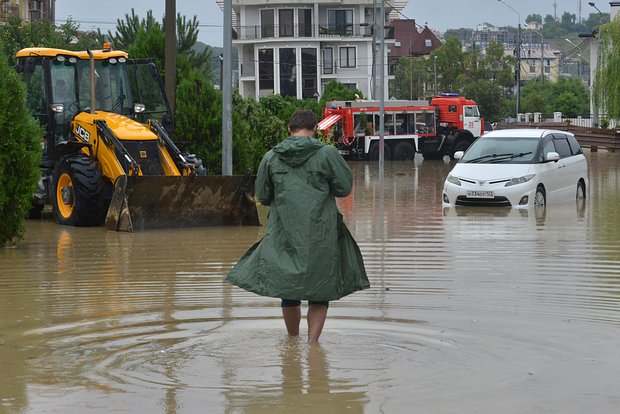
x=150, y=202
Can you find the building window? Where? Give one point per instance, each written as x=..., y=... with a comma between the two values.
x=265, y=70
x=350, y=86
x=347, y=57
x=340, y=22
x=304, y=17
x=267, y=23
x=285, y=22
x=428, y=42
x=288, y=72
x=308, y=73
x=328, y=61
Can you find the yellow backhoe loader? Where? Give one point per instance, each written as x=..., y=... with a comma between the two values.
x=108, y=154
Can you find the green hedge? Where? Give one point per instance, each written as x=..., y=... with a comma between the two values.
x=20, y=153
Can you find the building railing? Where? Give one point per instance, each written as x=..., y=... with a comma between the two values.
x=307, y=30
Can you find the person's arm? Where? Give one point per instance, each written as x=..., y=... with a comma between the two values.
x=341, y=179
x=264, y=186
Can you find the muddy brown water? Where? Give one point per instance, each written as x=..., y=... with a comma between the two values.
x=470, y=311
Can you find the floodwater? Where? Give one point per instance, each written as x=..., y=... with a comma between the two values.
x=470, y=311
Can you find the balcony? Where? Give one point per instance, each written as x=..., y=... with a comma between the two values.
x=303, y=31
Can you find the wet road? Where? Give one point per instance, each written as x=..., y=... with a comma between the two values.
x=470, y=311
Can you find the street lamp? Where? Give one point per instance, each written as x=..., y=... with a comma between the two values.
x=518, y=68
x=580, y=57
x=591, y=3
x=435, y=72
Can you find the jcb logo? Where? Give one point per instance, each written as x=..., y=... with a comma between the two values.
x=82, y=133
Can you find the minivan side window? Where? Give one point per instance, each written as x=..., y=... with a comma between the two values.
x=547, y=149
x=574, y=145
x=561, y=146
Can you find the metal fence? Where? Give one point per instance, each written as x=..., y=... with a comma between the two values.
x=594, y=138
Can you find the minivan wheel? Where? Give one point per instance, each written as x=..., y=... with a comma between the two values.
x=540, y=198
x=581, y=190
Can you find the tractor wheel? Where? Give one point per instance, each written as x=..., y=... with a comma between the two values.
x=196, y=162
x=81, y=193
x=404, y=151
x=35, y=211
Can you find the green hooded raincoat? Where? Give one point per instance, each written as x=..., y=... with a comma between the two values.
x=308, y=252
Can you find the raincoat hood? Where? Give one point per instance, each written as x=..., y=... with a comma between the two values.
x=295, y=151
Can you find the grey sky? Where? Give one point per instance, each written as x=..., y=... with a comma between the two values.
x=438, y=14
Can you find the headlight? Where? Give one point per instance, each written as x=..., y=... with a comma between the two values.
x=520, y=180
x=454, y=180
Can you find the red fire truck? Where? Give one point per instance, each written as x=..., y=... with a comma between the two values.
x=446, y=124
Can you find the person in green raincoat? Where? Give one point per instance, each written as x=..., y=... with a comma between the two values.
x=307, y=252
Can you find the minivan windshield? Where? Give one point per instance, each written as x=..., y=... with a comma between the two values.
x=509, y=150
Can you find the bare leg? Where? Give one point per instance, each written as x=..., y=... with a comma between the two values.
x=316, y=320
x=292, y=318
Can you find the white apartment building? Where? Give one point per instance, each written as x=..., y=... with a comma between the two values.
x=294, y=49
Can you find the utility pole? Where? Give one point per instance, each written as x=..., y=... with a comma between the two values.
x=373, y=69
x=518, y=65
x=170, y=54
x=227, y=91
x=382, y=91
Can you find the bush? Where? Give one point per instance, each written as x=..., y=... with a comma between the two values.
x=20, y=154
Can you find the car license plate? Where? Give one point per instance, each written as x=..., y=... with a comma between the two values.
x=480, y=194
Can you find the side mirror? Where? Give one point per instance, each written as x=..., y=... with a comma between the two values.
x=552, y=156
x=458, y=155
x=58, y=108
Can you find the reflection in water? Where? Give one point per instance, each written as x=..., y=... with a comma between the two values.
x=470, y=310
x=304, y=386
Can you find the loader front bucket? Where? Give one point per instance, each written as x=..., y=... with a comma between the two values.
x=149, y=202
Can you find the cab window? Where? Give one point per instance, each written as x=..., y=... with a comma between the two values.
x=471, y=111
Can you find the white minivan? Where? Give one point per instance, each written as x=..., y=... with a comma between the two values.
x=518, y=168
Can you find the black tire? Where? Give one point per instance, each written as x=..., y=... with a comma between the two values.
x=432, y=155
x=460, y=145
x=373, y=152
x=540, y=198
x=81, y=194
x=581, y=197
x=404, y=151
x=581, y=191
x=192, y=159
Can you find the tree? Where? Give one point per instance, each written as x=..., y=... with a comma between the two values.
x=145, y=38
x=336, y=91
x=451, y=65
x=534, y=18
x=411, y=76
x=606, y=86
x=20, y=154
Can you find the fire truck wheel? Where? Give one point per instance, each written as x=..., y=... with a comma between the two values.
x=404, y=151
x=432, y=155
x=373, y=153
x=460, y=145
